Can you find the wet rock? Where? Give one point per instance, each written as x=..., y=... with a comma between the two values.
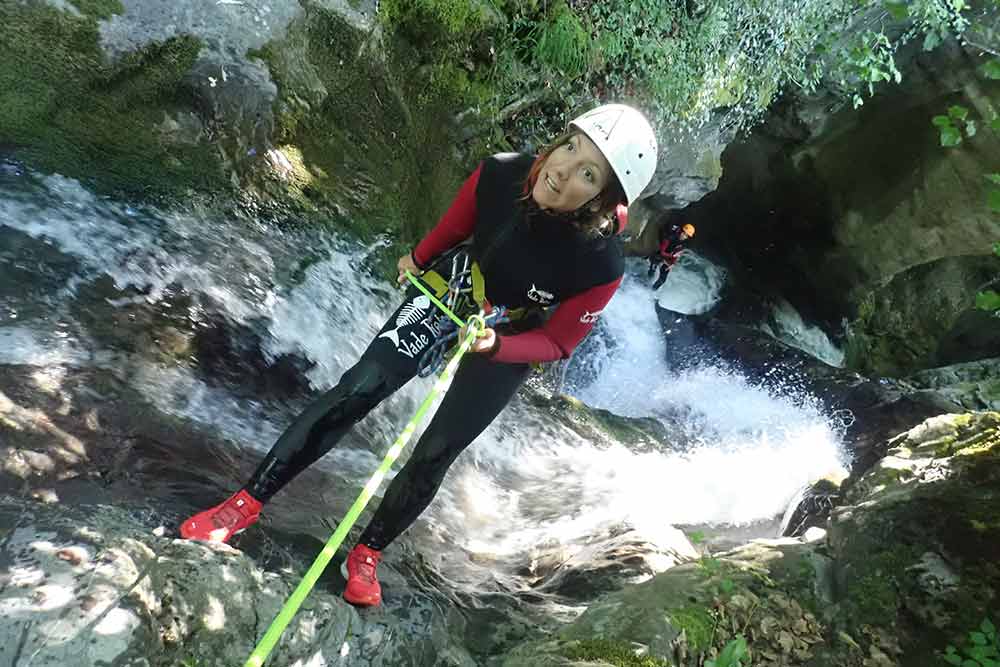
x=813, y=508
x=92, y=585
x=689, y=167
x=974, y=385
x=608, y=562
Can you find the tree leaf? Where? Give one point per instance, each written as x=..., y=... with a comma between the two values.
x=995, y=124
x=958, y=112
x=931, y=40
x=952, y=658
x=944, y=121
x=996, y=248
x=993, y=199
x=950, y=136
x=995, y=179
x=970, y=128
x=992, y=69
x=988, y=300
x=971, y=663
x=898, y=10
x=987, y=626
x=978, y=638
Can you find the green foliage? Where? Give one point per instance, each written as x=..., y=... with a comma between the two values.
x=683, y=62
x=614, y=653
x=870, y=61
x=988, y=300
x=697, y=624
x=433, y=22
x=732, y=655
x=731, y=54
x=993, y=199
x=938, y=19
x=562, y=43
x=952, y=125
x=696, y=537
x=982, y=648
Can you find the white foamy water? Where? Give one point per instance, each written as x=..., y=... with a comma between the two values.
x=753, y=448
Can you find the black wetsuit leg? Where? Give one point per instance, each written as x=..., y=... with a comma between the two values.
x=478, y=393
x=390, y=361
x=664, y=270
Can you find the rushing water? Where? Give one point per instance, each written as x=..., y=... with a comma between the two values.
x=70, y=260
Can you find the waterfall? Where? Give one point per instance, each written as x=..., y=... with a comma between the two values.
x=70, y=260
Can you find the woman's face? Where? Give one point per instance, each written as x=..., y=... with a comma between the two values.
x=573, y=174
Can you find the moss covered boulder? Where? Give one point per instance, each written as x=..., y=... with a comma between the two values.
x=917, y=544
x=304, y=110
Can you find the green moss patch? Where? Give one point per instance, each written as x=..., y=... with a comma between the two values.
x=373, y=137
x=64, y=108
x=697, y=624
x=613, y=653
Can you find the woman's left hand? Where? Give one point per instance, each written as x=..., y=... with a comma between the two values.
x=484, y=343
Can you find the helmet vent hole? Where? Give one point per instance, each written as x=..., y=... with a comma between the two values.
x=640, y=156
x=628, y=172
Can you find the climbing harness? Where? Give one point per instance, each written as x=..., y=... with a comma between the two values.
x=476, y=324
x=464, y=290
x=434, y=356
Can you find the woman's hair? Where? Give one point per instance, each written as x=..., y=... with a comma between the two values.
x=612, y=194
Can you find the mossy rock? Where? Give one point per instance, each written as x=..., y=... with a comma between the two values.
x=601, y=425
x=64, y=108
x=918, y=548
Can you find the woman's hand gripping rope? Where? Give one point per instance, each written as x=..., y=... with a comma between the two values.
x=406, y=265
x=433, y=357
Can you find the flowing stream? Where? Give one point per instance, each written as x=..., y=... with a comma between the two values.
x=88, y=281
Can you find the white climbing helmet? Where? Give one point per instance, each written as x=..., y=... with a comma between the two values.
x=627, y=141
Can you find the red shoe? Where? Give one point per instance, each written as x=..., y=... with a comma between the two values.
x=219, y=524
x=363, y=589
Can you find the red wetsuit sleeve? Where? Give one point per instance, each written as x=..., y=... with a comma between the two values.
x=559, y=336
x=455, y=225
x=664, y=245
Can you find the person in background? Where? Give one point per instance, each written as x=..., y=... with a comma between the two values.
x=673, y=240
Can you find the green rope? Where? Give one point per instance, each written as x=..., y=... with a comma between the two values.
x=437, y=302
x=298, y=596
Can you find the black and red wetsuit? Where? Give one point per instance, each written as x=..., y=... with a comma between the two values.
x=528, y=259
x=669, y=251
